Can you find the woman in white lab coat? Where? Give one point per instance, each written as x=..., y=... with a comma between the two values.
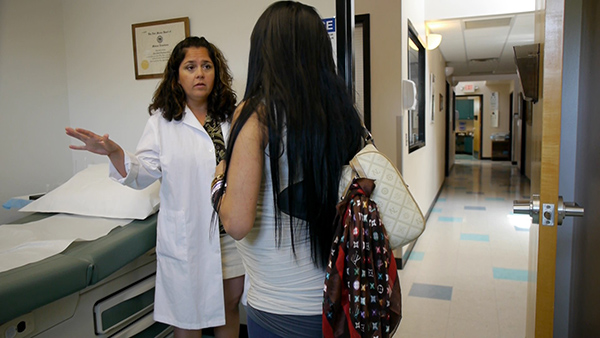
x=181, y=145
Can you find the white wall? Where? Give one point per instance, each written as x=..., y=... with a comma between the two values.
x=70, y=63
x=33, y=100
x=386, y=72
x=437, y=65
x=423, y=169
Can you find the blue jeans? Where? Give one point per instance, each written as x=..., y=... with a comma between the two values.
x=257, y=331
x=269, y=325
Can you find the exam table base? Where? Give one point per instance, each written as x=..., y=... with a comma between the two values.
x=77, y=315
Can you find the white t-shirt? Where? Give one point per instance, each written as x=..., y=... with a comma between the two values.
x=280, y=282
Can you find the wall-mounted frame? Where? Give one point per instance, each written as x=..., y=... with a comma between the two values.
x=416, y=73
x=432, y=89
x=362, y=53
x=153, y=43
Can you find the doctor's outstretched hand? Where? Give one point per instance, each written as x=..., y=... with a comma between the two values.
x=100, y=145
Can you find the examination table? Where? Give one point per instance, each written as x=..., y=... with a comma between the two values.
x=99, y=288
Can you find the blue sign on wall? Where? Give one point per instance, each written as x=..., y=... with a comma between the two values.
x=330, y=27
x=329, y=24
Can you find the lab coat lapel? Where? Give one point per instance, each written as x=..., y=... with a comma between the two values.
x=191, y=120
x=225, y=126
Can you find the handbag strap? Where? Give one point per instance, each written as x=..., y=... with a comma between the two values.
x=366, y=135
x=358, y=170
x=354, y=163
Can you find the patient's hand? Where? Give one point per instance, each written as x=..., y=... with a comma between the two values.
x=94, y=143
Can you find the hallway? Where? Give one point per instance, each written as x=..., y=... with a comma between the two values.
x=467, y=275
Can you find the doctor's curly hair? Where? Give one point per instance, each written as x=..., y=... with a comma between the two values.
x=170, y=97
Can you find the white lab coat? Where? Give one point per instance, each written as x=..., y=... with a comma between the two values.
x=189, y=282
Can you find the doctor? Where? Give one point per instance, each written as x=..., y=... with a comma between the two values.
x=181, y=145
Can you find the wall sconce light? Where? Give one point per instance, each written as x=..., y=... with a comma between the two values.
x=433, y=41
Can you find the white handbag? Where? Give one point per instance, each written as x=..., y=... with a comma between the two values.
x=399, y=211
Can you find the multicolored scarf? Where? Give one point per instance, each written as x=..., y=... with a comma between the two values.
x=362, y=295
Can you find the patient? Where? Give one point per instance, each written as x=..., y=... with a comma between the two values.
x=181, y=145
x=290, y=138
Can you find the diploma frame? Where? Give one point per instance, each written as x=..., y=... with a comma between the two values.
x=153, y=43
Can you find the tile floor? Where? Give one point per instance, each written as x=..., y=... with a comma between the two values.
x=467, y=274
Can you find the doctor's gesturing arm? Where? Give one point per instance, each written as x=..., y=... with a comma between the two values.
x=100, y=145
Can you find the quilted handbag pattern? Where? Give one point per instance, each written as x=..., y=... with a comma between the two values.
x=399, y=211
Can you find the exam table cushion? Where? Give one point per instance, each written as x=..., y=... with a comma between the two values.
x=92, y=193
x=81, y=265
x=122, y=245
x=28, y=287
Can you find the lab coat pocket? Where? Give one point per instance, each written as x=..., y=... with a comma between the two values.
x=171, y=236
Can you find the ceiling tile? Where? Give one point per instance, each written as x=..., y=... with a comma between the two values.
x=485, y=42
x=491, y=45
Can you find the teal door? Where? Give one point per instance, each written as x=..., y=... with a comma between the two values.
x=466, y=109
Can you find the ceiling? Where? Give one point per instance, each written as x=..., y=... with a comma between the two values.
x=483, y=45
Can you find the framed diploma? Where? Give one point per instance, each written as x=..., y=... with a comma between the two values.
x=153, y=43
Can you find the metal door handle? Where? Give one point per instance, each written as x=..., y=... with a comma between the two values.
x=528, y=207
x=568, y=209
x=532, y=208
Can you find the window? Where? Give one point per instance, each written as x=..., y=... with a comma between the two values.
x=416, y=73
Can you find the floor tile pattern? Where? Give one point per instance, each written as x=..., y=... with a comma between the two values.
x=468, y=276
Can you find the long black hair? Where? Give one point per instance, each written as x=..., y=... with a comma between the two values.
x=294, y=89
x=170, y=98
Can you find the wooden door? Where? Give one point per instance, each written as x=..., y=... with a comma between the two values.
x=545, y=168
x=568, y=142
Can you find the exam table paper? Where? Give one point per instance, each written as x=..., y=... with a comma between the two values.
x=26, y=243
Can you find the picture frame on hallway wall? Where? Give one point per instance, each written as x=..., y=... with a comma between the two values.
x=432, y=88
x=152, y=45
